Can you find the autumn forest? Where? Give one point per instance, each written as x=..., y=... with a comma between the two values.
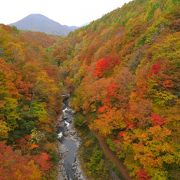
x=122, y=74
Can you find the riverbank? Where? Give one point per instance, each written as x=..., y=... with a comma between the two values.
x=95, y=163
x=69, y=143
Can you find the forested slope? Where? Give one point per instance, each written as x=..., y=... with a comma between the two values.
x=29, y=103
x=123, y=73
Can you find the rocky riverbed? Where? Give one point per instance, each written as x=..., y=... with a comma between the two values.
x=69, y=142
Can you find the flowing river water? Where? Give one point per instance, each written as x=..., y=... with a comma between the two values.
x=69, y=142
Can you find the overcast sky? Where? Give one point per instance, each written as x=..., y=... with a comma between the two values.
x=69, y=12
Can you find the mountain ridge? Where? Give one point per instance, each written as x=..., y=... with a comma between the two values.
x=41, y=23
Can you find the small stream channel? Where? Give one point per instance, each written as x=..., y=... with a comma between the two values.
x=69, y=142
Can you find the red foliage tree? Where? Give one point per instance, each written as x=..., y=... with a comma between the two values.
x=157, y=120
x=121, y=134
x=155, y=69
x=43, y=160
x=103, y=65
x=102, y=109
x=142, y=175
x=130, y=125
x=112, y=89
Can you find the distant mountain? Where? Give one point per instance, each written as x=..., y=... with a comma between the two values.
x=40, y=23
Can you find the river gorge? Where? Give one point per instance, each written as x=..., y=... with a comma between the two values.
x=69, y=143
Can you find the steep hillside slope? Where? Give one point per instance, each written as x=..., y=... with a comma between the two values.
x=29, y=104
x=123, y=73
x=40, y=23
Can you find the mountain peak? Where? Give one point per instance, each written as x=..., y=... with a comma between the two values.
x=41, y=23
x=36, y=16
